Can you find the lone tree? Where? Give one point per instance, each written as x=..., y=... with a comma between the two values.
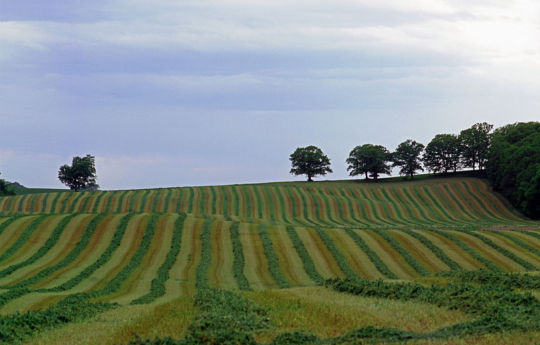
x=4, y=188
x=310, y=161
x=369, y=159
x=407, y=157
x=443, y=154
x=475, y=144
x=80, y=175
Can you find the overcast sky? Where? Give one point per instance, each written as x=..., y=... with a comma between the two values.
x=174, y=93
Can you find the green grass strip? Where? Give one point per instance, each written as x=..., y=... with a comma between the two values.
x=86, y=201
x=68, y=202
x=104, y=258
x=108, y=206
x=408, y=221
x=247, y=201
x=120, y=202
x=338, y=256
x=238, y=258
x=206, y=256
x=272, y=207
x=403, y=252
x=131, y=201
x=76, y=201
x=21, y=203
x=468, y=249
x=202, y=201
x=407, y=208
x=23, y=238
x=503, y=251
x=116, y=283
x=273, y=261
x=375, y=212
x=144, y=197
x=324, y=198
x=259, y=201
x=69, y=258
x=505, y=280
x=9, y=221
x=532, y=234
x=49, y=244
x=44, y=203
x=373, y=257
x=167, y=201
x=307, y=262
x=520, y=243
x=33, y=203
x=16, y=328
x=351, y=209
x=191, y=199
x=307, y=193
x=430, y=220
x=97, y=201
x=213, y=200
x=436, y=250
x=55, y=202
x=179, y=200
x=157, y=287
x=236, y=201
x=155, y=202
x=281, y=201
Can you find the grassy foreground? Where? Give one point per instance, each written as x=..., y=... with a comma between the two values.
x=142, y=261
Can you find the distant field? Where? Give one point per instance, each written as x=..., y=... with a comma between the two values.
x=152, y=250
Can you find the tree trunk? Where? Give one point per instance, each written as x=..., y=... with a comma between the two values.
x=367, y=178
x=309, y=179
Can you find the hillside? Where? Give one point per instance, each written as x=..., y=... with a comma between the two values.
x=149, y=247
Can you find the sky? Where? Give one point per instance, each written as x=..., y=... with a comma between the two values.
x=205, y=92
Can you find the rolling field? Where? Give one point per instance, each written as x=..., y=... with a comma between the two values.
x=147, y=253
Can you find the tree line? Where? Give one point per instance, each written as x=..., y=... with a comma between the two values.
x=510, y=156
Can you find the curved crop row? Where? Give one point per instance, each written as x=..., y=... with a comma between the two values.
x=403, y=252
x=450, y=203
x=104, y=258
x=206, y=252
x=503, y=251
x=157, y=288
x=22, y=286
x=238, y=258
x=336, y=253
x=49, y=244
x=23, y=238
x=273, y=261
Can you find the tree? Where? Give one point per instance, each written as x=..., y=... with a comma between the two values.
x=407, y=156
x=513, y=165
x=474, y=144
x=4, y=188
x=80, y=175
x=442, y=153
x=369, y=159
x=310, y=161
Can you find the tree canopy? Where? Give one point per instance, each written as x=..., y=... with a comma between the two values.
x=4, y=188
x=80, y=175
x=407, y=157
x=475, y=144
x=369, y=159
x=309, y=161
x=442, y=153
x=513, y=165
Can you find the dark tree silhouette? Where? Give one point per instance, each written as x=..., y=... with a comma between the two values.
x=309, y=161
x=369, y=159
x=80, y=175
x=407, y=157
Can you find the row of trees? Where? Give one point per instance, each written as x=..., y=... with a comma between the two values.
x=445, y=153
x=510, y=155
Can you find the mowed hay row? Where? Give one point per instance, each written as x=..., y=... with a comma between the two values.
x=450, y=202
